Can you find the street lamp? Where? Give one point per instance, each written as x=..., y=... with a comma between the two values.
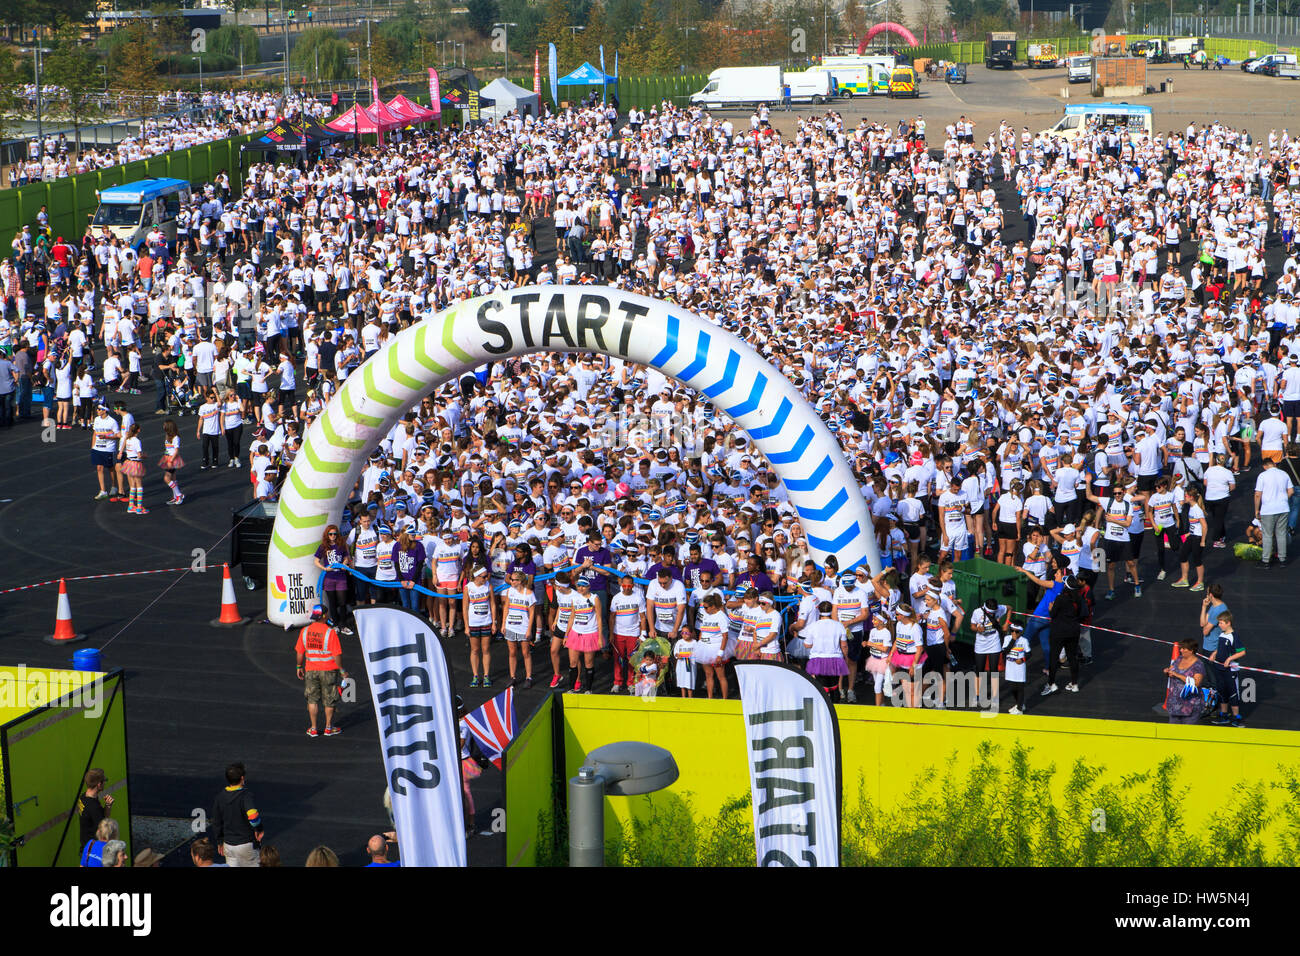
x=506, y=36
x=627, y=769
x=40, y=126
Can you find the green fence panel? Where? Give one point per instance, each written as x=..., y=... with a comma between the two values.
x=178, y=164
x=10, y=221
x=133, y=171
x=62, y=200
x=85, y=188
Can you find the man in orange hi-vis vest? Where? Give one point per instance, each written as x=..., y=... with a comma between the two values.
x=320, y=664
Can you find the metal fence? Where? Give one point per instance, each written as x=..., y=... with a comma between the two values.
x=1240, y=26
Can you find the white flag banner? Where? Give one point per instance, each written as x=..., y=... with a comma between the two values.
x=414, y=709
x=793, y=743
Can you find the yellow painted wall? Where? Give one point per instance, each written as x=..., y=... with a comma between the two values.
x=889, y=747
x=529, y=763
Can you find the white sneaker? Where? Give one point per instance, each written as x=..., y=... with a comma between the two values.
x=616, y=689
x=1015, y=710
x=1160, y=576
x=851, y=696
x=1072, y=688
x=1049, y=690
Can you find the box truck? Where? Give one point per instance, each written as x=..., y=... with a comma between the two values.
x=741, y=86
x=1000, y=51
x=857, y=75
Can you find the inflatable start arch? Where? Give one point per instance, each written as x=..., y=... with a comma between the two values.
x=896, y=28
x=714, y=362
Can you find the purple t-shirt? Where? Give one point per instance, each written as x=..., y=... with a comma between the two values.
x=330, y=554
x=693, y=571
x=599, y=556
x=758, y=580
x=410, y=563
x=673, y=569
x=525, y=567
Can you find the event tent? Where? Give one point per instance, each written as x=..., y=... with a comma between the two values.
x=587, y=75
x=296, y=136
x=501, y=96
x=375, y=118
x=410, y=112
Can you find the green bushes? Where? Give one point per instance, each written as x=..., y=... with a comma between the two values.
x=1000, y=812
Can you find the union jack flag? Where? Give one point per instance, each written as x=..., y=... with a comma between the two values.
x=493, y=725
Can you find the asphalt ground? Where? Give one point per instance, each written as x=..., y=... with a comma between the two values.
x=199, y=697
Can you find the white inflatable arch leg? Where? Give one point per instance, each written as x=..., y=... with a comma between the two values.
x=710, y=360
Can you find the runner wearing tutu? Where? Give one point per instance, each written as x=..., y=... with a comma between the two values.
x=908, y=654
x=753, y=619
x=133, y=468
x=879, y=643
x=171, y=461
x=828, y=649
x=711, y=652
x=585, y=638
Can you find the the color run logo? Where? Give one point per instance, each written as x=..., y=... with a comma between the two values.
x=294, y=594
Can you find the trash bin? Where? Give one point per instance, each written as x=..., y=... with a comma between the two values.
x=980, y=579
x=250, y=540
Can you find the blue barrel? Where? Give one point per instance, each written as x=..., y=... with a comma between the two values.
x=86, y=660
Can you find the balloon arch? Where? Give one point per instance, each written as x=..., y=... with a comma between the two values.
x=718, y=364
x=879, y=28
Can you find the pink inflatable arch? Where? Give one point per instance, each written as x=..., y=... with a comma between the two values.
x=897, y=28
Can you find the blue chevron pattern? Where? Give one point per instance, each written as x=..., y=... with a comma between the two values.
x=831, y=545
x=813, y=480
x=701, y=359
x=776, y=424
x=670, y=346
x=796, y=450
x=755, y=396
x=825, y=514
x=832, y=508
x=728, y=376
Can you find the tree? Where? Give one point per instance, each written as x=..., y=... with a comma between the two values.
x=136, y=69
x=481, y=15
x=75, y=67
x=227, y=41
x=320, y=54
x=45, y=12
x=10, y=103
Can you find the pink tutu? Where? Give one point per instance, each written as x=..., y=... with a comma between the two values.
x=133, y=469
x=583, y=642
x=877, y=665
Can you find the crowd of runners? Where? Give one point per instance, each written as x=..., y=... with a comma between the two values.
x=1082, y=401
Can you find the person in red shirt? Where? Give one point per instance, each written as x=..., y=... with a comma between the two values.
x=320, y=664
x=144, y=270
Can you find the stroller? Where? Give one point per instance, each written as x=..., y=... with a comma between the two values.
x=182, y=397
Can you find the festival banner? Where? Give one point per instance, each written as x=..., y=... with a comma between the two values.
x=435, y=93
x=602, y=58
x=414, y=710
x=793, y=744
x=553, y=74
x=374, y=90
x=537, y=71
x=473, y=113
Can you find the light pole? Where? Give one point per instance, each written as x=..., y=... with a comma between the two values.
x=40, y=126
x=284, y=26
x=506, y=37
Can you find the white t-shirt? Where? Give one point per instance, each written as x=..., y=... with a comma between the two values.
x=1272, y=433
x=1273, y=485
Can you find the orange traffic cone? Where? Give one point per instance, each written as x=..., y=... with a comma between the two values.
x=64, y=632
x=230, y=616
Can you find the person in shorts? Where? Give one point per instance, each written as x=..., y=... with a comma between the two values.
x=320, y=666
x=519, y=608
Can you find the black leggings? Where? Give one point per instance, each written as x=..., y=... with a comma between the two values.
x=233, y=436
x=1166, y=540
x=336, y=604
x=1070, y=643
x=212, y=447
x=1217, y=512
x=1017, y=688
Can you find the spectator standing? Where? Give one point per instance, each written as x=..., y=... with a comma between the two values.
x=236, y=823
x=93, y=805
x=1273, y=490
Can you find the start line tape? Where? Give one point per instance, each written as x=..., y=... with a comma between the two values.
x=1156, y=640
x=90, y=577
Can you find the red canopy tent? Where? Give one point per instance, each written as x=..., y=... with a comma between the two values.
x=411, y=112
x=376, y=118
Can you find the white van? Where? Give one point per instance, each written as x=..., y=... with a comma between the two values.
x=811, y=86
x=741, y=86
x=1085, y=117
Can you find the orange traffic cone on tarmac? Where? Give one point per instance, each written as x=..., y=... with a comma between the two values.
x=230, y=616
x=64, y=632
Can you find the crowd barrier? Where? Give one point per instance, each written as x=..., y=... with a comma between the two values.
x=70, y=202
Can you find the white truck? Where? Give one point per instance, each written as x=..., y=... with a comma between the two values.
x=737, y=86
x=1079, y=68
x=811, y=86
